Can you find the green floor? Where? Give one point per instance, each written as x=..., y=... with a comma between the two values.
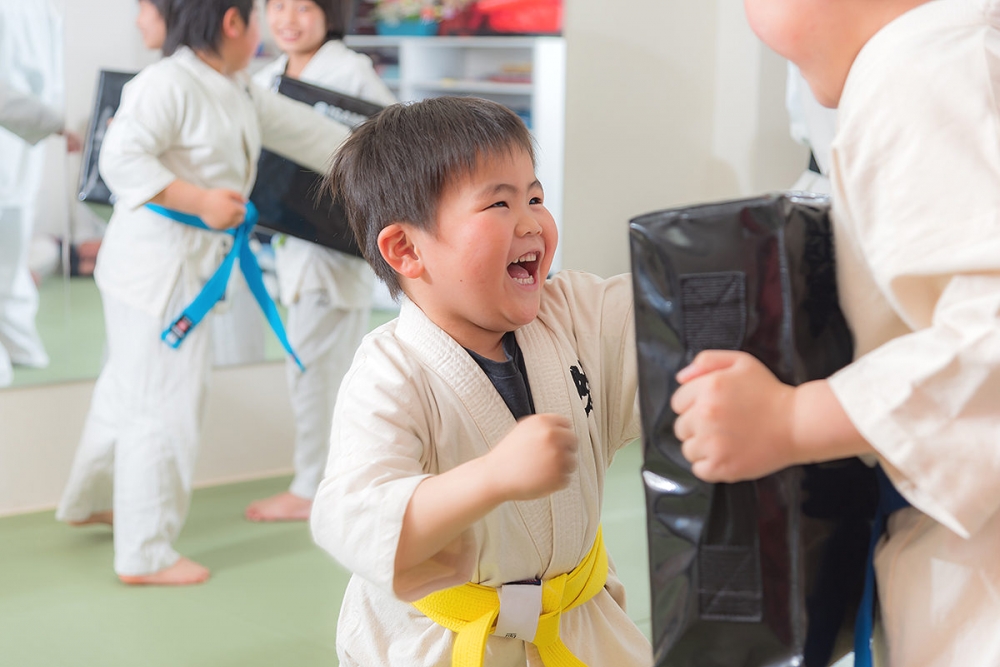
x=272, y=600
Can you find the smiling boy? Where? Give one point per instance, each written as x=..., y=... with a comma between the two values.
x=472, y=435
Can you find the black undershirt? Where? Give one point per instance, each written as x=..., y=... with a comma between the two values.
x=509, y=377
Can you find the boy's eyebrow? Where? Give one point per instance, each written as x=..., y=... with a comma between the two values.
x=499, y=188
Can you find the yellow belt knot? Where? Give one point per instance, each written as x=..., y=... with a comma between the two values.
x=471, y=610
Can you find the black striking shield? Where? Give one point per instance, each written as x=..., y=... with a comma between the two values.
x=756, y=573
x=290, y=198
x=109, y=95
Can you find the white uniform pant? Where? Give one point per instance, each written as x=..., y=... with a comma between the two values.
x=238, y=331
x=19, y=340
x=325, y=338
x=140, y=441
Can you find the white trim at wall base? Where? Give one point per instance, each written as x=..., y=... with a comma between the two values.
x=248, y=434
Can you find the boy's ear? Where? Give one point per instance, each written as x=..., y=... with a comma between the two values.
x=233, y=24
x=395, y=243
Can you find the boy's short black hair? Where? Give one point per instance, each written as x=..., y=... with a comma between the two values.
x=336, y=17
x=396, y=166
x=198, y=23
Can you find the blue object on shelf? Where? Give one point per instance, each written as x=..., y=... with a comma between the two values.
x=412, y=28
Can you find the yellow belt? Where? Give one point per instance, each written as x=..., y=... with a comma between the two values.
x=470, y=611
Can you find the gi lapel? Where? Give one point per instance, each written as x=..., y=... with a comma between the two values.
x=480, y=399
x=554, y=390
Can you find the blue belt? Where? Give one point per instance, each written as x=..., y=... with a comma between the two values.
x=215, y=289
x=889, y=500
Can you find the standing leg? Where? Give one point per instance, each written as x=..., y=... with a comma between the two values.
x=18, y=295
x=161, y=397
x=325, y=338
x=88, y=495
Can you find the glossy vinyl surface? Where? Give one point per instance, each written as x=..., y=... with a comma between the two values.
x=755, y=573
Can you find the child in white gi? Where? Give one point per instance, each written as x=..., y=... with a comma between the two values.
x=31, y=90
x=237, y=329
x=916, y=207
x=472, y=435
x=328, y=293
x=186, y=137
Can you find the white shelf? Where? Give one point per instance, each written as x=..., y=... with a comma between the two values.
x=470, y=86
x=371, y=41
x=385, y=41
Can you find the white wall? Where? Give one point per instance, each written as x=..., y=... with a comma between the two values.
x=667, y=104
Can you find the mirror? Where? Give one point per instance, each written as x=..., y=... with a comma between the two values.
x=67, y=232
x=714, y=127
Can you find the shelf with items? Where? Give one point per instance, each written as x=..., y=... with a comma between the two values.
x=448, y=85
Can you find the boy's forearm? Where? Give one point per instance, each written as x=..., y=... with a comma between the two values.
x=821, y=429
x=181, y=196
x=442, y=507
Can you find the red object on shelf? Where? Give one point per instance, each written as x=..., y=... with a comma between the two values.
x=469, y=21
x=523, y=16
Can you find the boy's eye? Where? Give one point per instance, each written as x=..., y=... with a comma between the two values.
x=499, y=204
x=535, y=200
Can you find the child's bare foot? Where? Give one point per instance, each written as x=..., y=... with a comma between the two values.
x=282, y=507
x=107, y=517
x=182, y=573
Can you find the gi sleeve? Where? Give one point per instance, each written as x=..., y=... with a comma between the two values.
x=146, y=124
x=380, y=451
x=921, y=186
x=27, y=116
x=371, y=87
x=295, y=131
x=620, y=389
x=603, y=321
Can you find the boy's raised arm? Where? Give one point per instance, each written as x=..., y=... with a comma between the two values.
x=534, y=460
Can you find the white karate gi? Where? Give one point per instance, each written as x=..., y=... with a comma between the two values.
x=179, y=119
x=31, y=91
x=916, y=176
x=415, y=404
x=328, y=293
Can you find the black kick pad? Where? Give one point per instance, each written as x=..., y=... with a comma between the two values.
x=761, y=573
x=109, y=96
x=290, y=198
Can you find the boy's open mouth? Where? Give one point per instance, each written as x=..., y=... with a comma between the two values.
x=524, y=269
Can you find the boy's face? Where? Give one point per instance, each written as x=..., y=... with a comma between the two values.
x=298, y=26
x=803, y=31
x=151, y=25
x=489, y=255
